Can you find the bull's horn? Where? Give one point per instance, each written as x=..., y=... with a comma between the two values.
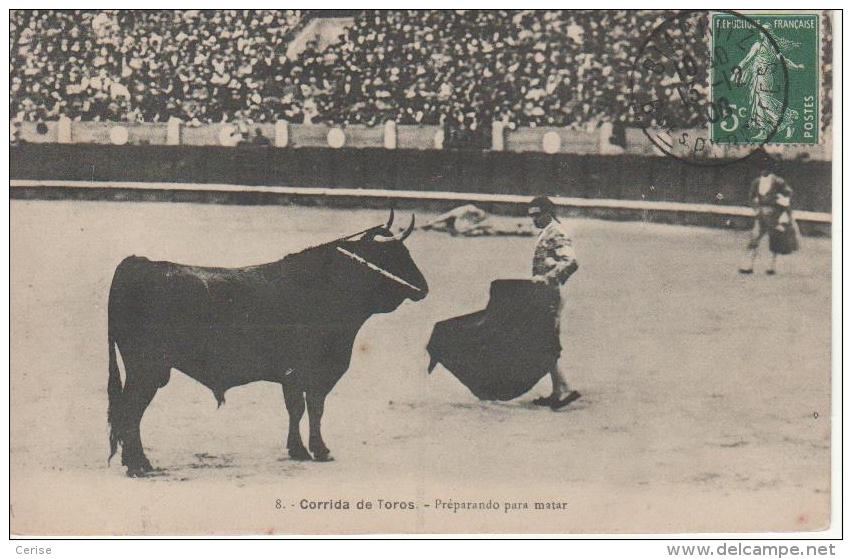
x=390, y=220
x=408, y=231
x=399, y=237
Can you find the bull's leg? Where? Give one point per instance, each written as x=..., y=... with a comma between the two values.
x=137, y=396
x=295, y=401
x=316, y=405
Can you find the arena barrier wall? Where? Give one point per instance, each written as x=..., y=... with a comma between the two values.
x=608, y=186
x=541, y=139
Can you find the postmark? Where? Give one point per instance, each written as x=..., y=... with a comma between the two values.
x=671, y=90
x=748, y=73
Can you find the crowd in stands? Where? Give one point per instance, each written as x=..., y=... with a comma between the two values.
x=141, y=65
x=531, y=67
x=465, y=68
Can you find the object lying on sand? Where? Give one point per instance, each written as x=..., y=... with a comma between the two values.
x=470, y=221
x=501, y=352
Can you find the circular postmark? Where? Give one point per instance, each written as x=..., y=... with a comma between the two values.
x=709, y=88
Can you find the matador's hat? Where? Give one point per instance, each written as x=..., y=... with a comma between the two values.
x=542, y=204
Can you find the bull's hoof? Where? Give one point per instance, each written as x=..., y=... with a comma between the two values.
x=300, y=453
x=141, y=470
x=324, y=456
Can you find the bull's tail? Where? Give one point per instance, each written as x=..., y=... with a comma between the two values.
x=114, y=392
x=115, y=389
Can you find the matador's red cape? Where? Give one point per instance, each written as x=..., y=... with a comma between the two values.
x=501, y=352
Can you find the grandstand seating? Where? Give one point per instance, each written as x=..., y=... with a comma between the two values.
x=463, y=69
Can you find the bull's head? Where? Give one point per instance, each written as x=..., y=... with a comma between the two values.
x=380, y=258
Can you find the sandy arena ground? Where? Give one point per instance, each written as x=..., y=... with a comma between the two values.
x=706, y=395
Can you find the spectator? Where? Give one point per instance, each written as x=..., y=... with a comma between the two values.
x=259, y=139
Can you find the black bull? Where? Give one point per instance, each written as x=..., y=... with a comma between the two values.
x=292, y=321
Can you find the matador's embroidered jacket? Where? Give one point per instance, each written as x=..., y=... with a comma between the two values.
x=554, y=257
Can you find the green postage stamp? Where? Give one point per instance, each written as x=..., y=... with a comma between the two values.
x=766, y=71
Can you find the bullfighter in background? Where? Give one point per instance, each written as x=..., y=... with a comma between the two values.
x=771, y=197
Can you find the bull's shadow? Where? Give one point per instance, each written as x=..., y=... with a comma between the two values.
x=292, y=321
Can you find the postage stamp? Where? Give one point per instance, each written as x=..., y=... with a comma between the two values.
x=766, y=70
